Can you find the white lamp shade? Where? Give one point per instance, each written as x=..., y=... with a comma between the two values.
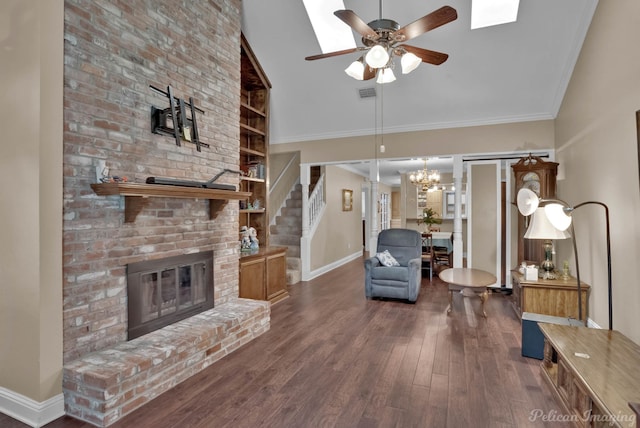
x=386, y=76
x=377, y=57
x=409, y=62
x=541, y=228
x=557, y=216
x=527, y=201
x=356, y=70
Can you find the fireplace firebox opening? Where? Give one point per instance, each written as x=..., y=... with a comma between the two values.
x=164, y=291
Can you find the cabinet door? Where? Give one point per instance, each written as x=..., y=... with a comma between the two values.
x=421, y=203
x=252, y=275
x=449, y=204
x=276, y=276
x=434, y=201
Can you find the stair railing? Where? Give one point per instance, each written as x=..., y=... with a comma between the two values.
x=316, y=203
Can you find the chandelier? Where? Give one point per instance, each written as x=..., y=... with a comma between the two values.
x=426, y=180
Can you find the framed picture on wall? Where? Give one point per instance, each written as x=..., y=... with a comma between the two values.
x=347, y=200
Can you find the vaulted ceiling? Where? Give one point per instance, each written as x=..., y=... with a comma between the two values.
x=506, y=73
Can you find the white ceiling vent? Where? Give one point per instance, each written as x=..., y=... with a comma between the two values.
x=367, y=92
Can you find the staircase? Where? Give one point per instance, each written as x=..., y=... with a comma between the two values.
x=286, y=232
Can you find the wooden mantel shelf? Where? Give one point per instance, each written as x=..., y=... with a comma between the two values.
x=137, y=195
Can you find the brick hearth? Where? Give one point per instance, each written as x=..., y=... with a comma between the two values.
x=101, y=387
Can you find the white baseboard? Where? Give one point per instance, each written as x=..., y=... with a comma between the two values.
x=592, y=324
x=331, y=266
x=29, y=411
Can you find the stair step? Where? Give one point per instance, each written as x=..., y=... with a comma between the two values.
x=292, y=221
x=285, y=240
x=293, y=276
x=285, y=229
x=288, y=211
x=293, y=251
x=294, y=263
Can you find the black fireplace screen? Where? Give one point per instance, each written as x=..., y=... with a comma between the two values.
x=161, y=292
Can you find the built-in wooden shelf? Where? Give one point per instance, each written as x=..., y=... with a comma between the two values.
x=246, y=150
x=253, y=110
x=251, y=130
x=257, y=180
x=136, y=196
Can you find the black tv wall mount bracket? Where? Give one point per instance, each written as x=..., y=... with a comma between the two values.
x=178, y=120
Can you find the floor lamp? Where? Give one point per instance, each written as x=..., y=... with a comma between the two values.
x=559, y=214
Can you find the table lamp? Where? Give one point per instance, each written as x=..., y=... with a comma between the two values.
x=541, y=228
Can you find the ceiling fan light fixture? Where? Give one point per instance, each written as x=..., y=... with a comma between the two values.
x=356, y=70
x=409, y=62
x=377, y=57
x=386, y=76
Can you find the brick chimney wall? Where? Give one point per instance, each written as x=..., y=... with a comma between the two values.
x=113, y=51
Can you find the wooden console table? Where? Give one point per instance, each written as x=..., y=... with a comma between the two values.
x=595, y=374
x=555, y=297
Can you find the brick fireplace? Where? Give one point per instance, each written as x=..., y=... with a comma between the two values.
x=114, y=51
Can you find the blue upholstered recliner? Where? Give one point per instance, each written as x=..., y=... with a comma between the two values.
x=400, y=282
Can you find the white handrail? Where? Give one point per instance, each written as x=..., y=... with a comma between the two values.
x=316, y=202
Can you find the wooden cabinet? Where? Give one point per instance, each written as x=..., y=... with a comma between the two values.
x=555, y=297
x=593, y=373
x=254, y=143
x=263, y=274
x=539, y=176
x=431, y=199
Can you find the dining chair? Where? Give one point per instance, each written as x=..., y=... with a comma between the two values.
x=428, y=258
x=442, y=256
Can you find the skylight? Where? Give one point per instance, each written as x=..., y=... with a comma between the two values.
x=485, y=13
x=332, y=34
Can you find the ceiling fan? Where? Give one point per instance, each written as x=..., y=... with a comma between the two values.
x=383, y=38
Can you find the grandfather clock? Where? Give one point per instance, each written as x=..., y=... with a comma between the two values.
x=533, y=173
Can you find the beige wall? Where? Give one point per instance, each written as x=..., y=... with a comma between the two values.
x=484, y=248
x=339, y=233
x=537, y=135
x=31, y=43
x=597, y=150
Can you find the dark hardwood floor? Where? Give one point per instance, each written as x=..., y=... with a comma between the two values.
x=334, y=359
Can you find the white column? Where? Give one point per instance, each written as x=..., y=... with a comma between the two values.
x=457, y=217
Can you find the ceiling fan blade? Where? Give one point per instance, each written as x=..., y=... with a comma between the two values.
x=433, y=20
x=350, y=18
x=330, y=54
x=426, y=55
x=369, y=73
